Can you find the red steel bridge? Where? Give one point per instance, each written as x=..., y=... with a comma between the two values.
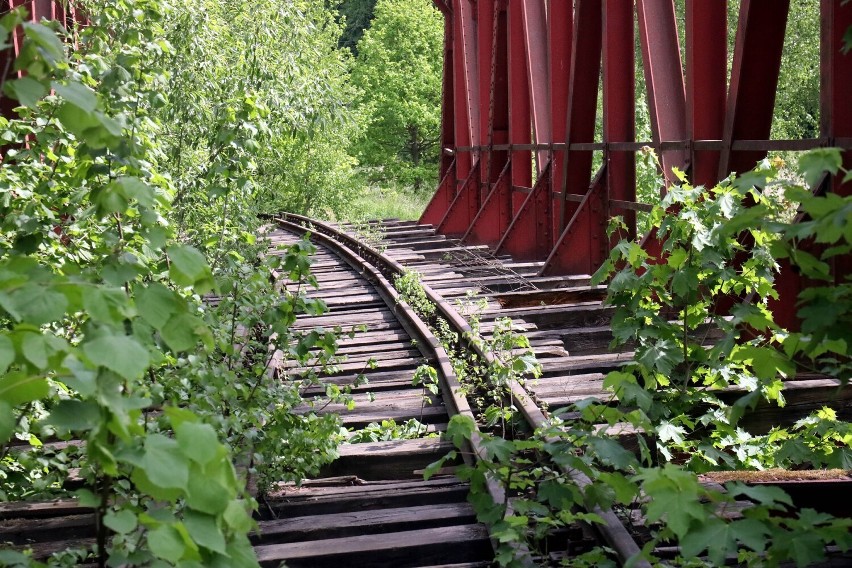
x=522, y=79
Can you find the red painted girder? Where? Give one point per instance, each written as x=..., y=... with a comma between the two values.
x=754, y=80
x=519, y=105
x=465, y=85
x=836, y=112
x=583, y=82
x=583, y=245
x=560, y=19
x=485, y=38
x=836, y=72
x=534, y=18
x=529, y=235
x=619, y=106
x=497, y=127
x=495, y=215
x=706, y=82
x=464, y=207
x=663, y=79
x=440, y=202
x=447, y=95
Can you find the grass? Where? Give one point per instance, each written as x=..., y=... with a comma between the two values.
x=389, y=203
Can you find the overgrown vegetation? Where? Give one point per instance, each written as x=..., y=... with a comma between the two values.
x=137, y=313
x=690, y=406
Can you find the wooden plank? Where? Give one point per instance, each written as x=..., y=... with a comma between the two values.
x=314, y=527
x=23, y=531
x=364, y=495
x=397, y=459
x=41, y=509
x=393, y=550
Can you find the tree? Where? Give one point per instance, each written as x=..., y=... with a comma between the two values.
x=399, y=71
x=358, y=14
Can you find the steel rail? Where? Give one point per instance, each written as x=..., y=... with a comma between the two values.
x=612, y=531
x=454, y=398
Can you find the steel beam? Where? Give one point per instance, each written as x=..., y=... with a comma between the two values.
x=584, y=79
x=529, y=236
x=495, y=215
x=534, y=18
x=560, y=37
x=519, y=106
x=619, y=107
x=664, y=79
x=443, y=198
x=706, y=82
x=754, y=80
x=572, y=250
x=466, y=84
x=447, y=93
x=583, y=245
x=464, y=207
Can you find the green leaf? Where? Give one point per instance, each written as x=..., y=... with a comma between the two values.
x=806, y=548
x=14, y=558
x=18, y=388
x=34, y=349
x=189, y=268
x=661, y=356
x=199, y=442
x=122, y=522
x=26, y=90
x=75, y=415
x=7, y=353
x=38, y=305
x=166, y=543
x=135, y=188
x=609, y=451
x=46, y=39
x=156, y=304
x=764, y=494
x=8, y=423
x=207, y=495
x=77, y=94
x=673, y=495
x=558, y=495
x=118, y=353
x=204, y=531
x=237, y=517
x=715, y=536
x=164, y=463
x=813, y=164
x=180, y=332
x=625, y=490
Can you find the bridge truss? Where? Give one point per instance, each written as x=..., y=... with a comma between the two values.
x=520, y=98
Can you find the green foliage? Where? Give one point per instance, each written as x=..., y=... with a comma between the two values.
x=797, y=106
x=86, y=250
x=388, y=430
x=715, y=274
x=388, y=201
x=398, y=70
x=358, y=15
x=137, y=312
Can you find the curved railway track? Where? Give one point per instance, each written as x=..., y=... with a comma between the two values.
x=371, y=507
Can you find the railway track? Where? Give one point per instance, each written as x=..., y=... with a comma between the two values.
x=372, y=507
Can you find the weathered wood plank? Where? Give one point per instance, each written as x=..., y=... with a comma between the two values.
x=396, y=550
